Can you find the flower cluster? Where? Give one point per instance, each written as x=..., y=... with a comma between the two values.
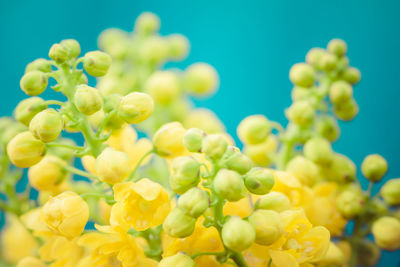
x=183, y=194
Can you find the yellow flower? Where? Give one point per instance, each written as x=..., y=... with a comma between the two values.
x=61, y=251
x=16, y=241
x=66, y=214
x=31, y=262
x=140, y=205
x=168, y=140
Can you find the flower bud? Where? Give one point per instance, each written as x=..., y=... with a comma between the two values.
x=386, y=231
x=203, y=119
x=33, y=83
x=340, y=170
x=39, y=64
x=72, y=46
x=238, y=234
x=301, y=112
x=254, y=129
x=66, y=214
x=193, y=139
x=368, y=254
x=346, y=110
x=47, y=174
x=333, y=257
x=147, y=23
x=97, y=63
x=314, y=57
x=87, y=99
x=329, y=62
x=302, y=74
x=276, y=201
x=328, y=128
x=184, y=174
x=351, y=75
x=268, y=226
x=260, y=153
x=305, y=170
x=168, y=140
x=391, y=192
x=300, y=93
x=178, y=224
x=237, y=161
x=259, y=181
x=24, y=150
x=374, y=167
x=31, y=262
x=350, y=203
x=28, y=108
x=135, y=107
x=318, y=150
x=201, y=79
x=112, y=166
x=193, y=202
x=340, y=91
x=337, y=47
x=154, y=50
x=177, y=260
x=214, y=146
x=46, y=125
x=58, y=53
x=163, y=86
x=229, y=185
x=178, y=46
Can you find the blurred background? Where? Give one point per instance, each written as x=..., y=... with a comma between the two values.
x=252, y=44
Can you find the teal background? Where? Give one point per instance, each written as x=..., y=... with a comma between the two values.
x=252, y=44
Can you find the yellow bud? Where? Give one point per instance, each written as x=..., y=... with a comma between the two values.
x=260, y=153
x=201, y=79
x=58, y=53
x=97, y=63
x=47, y=174
x=238, y=234
x=87, y=99
x=178, y=224
x=66, y=214
x=333, y=257
x=276, y=201
x=194, y=202
x=25, y=150
x=305, y=170
x=350, y=203
x=72, y=46
x=386, y=231
x=229, y=185
x=163, y=86
x=328, y=128
x=184, y=174
x=337, y=47
x=214, y=146
x=34, y=83
x=178, y=46
x=177, y=260
x=135, y=107
x=89, y=163
x=300, y=93
x=112, y=166
x=168, y=140
x=374, y=167
x=259, y=181
x=391, y=192
x=147, y=23
x=301, y=112
x=46, y=125
x=193, y=139
x=28, y=108
x=302, y=74
x=268, y=226
x=114, y=42
x=329, y=62
x=154, y=50
x=314, y=57
x=351, y=75
x=236, y=161
x=340, y=170
x=39, y=64
x=318, y=150
x=254, y=129
x=31, y=262
x=346, y=110
x=340, y=91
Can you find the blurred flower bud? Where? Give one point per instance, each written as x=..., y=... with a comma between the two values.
x=390, y=192
x=305, y=170
x=260, y=153
x=114, y=42
x=350, y=203
x=259, y=181
x=47, y=174
x=337, y=47
x=314, y=57
x=237, y=161
x=328, y=128
x=333, y=257
x=46, y=125
x=214, y=146
x=203, y=119
x=254, y=129
x=147, y=23
x=178, y=224
x=58, y=53
x=351, y=75
x=368, y=254
x=28, y=108
x=163, y=86
x=329, y=62
x=34, y=82
x=168, y=140
x=300, y=93
x=276, y=201
x=193, y=139
x=39, y=64
x=268, y=226
x=177, y=260
x=341, y=169
x=229, y=185
x=97, y=63
x=374, y=167
x=340, y=91
x=318, y=150
x=302, y=74
x=24, y=150
x=238, y=234
x=72, y=46
x=31, y=262
x=112, y=166
x=346, y=110
x=184, y=174
x=301, y=112
x=135, y=107
x=201, y=79
x=386, y=231
x=87, y=99
x=154, y=50
x=178, y=46
x=194, y=202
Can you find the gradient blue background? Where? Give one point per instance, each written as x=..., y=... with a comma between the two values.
x=252, y=44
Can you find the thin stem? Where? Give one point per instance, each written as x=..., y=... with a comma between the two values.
x=238, y=259
x=65, y=146
x=54, y=102
x=277, y=126
x=207, y=253
x=145, y=155
x=104, y=123
x=80, y=172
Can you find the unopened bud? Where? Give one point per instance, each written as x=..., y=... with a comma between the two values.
x=305, y=170
x=391, y=192
x=87, y=99
x=214, y=146
x=193, y=139
x=47, y=174
x=329, y=62
x=318, y=150
x=163, y=86
x=314, y=57
x=259, y=181
x=177, y=260
x=58, y=53
x=97, y=63
x=179, y=224
x=302, y=74
x=238, y=234
x=147, y=23
x=34, y=83
x=39, y=64
x=350, y=203
x=267, y=225
x=46, y=125
x=337, y=47
x=72, y=46
x=229, y=185
x=135, y=107
x=254, y=129
x=328, y=128
x=201, y=79
x=374, y=167
x=168, y=140
x=301, y=112
x=25, y=150
x=194, y=202
x=178, y=46
x=351, y=75
x=340, y=91
x=184, y=174
x=112, y=166
x=368, y=254
x=236, y=161
x=276, y=201
x=386, y=231
x=28, y=108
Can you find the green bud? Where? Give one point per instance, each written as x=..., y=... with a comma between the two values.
x=147, y=23
x=238, y=234
x=201, y=79
x=184, y=174
x=276, y=201
x=28, y=108
x=350, y=203
x=318, y=150
x=314, y=57
x=214, y=146
x=268, y=226
x=111, y=102
x=300, y=93
x=259, y=181
x=34, y=83
x=340, y=91
x=328, y=128
x=374, y=167
x=87, y=99
x=135, y=107
x=346, y=110
x=229, y=185
x=97, y=63
x=302, y=74
x=163, y=86
x=329, y=62
x=72, y=46
x=236, y=161
x=46, y=125
x=386, y=231
x=351, y=75
x=178, y=46
x=340, y=170
x=194, y=202
x=343, y=63
x=114, y=42
x=337, y=47
x=305, y=170
x=391, y=192
x=39, y=64
x=24, y=150
x=58, y=53
x=178, y=224
x=193, y=139
x=301, y=112
x=368, y=253
x=177, y=260
x=8, y=129
x=254, y=129
x=154, y=50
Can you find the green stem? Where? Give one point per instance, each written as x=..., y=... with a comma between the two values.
x=65, y=146
x=145, y=155
x=79, y=172
x=207, y=253
x=54, y=102
x=238, y=259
